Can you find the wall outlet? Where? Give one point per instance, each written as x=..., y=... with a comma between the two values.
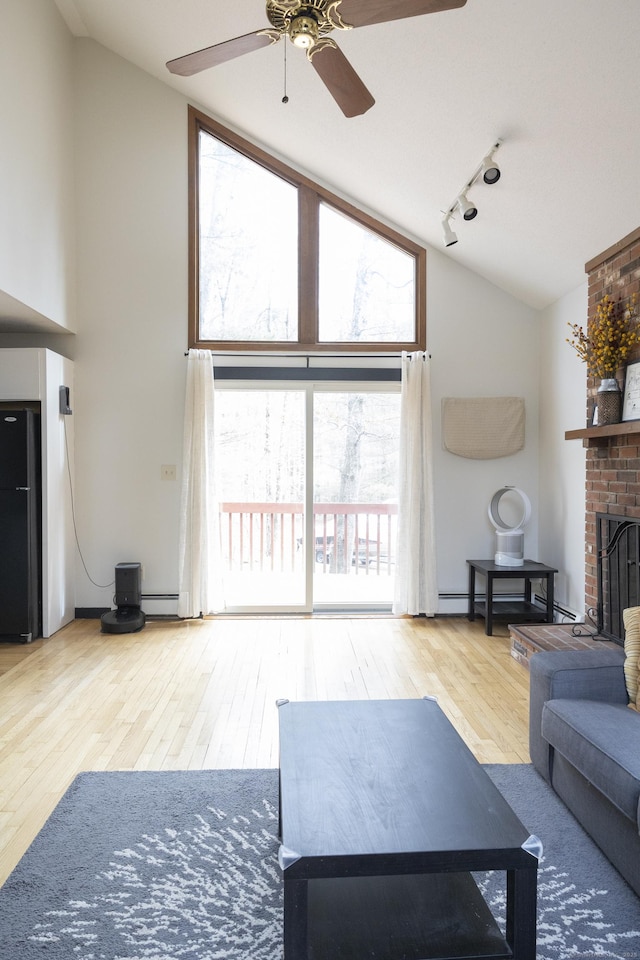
x=168, y=471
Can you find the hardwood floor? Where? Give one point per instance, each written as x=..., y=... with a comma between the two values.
x=201, y=694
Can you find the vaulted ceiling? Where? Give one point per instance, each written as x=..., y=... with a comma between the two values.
x=557, y=80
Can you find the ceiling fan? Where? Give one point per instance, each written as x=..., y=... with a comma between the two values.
x=308, y=24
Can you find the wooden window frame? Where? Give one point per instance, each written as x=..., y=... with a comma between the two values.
x=310, y=196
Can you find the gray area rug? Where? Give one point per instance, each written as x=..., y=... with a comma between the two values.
x=182, y=866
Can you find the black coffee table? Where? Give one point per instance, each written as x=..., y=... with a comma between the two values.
x=384, y=813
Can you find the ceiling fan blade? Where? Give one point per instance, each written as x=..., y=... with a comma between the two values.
x=341, y=80
x=361, y=13
x=221, y=52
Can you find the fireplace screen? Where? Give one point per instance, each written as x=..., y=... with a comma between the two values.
x=618, y=567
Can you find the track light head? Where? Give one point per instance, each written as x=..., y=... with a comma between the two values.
x=490, y=170
x=449, y=236
x=467, y=209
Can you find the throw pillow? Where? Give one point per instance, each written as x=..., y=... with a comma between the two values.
x=631, y=619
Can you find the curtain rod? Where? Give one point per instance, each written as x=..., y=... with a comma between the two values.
x=318, y=356
x=307, y=357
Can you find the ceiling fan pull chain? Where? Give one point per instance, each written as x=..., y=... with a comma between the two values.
x=285, y=99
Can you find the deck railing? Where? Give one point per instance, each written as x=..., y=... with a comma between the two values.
x=269, y=537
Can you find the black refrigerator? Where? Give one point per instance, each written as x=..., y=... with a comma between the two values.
x=20, y=526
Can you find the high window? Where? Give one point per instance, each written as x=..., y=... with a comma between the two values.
x=279, y=263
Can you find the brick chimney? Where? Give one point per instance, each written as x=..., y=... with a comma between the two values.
x=613, y=462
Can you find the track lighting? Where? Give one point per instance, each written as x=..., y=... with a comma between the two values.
x=467, y=209
x=449, y=236
x=489, y=170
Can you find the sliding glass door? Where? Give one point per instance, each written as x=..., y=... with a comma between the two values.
x=355, y=461
x=260, y=478
x=306, y=480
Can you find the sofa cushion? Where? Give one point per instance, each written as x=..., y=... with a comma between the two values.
x=602, y=741
x=631, y=619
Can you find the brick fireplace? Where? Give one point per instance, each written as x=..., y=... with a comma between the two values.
x=613, y=461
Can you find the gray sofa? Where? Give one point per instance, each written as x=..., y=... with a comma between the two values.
x=585, y=741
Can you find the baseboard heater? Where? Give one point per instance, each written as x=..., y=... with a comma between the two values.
x=557, y=608
x=95, y=613
x=457, y=604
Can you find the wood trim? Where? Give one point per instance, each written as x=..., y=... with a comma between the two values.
x=613, y=251
x=308, y=253
x=193, y=304
x=421, y=295
x=592, y=435
x=311, y=195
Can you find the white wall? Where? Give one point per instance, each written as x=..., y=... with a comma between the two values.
x=563, y=462
x=36, y=162
x=483, y=343
x=132, y=303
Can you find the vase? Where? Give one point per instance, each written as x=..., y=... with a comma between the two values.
x=609, y=401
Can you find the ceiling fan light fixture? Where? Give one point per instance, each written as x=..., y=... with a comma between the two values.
x=467, y=209
x=449, y=236
x=303, y=32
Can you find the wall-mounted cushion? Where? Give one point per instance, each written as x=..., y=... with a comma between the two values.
x=631, y=619
x=483, y=428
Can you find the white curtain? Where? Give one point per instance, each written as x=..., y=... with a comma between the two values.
x=200, y=571
x=416, y=587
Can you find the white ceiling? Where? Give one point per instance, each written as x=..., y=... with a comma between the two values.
x=557, y=80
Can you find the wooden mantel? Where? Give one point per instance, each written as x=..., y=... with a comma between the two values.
x=593, y=435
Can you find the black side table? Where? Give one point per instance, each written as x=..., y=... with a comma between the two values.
x=520, y=611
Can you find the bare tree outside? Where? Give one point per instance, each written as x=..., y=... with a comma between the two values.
x=248, y=248
x=356, y=438
x=362, y=317
x=248, y=261
x=260, y=453
x=367, y=285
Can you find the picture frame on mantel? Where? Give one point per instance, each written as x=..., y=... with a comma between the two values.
x=631, y=397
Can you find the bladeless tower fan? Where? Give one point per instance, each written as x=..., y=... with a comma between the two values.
x=510, y=536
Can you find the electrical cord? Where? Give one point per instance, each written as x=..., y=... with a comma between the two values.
x=102, y=586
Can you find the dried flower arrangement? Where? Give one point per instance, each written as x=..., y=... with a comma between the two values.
x=609, y=338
